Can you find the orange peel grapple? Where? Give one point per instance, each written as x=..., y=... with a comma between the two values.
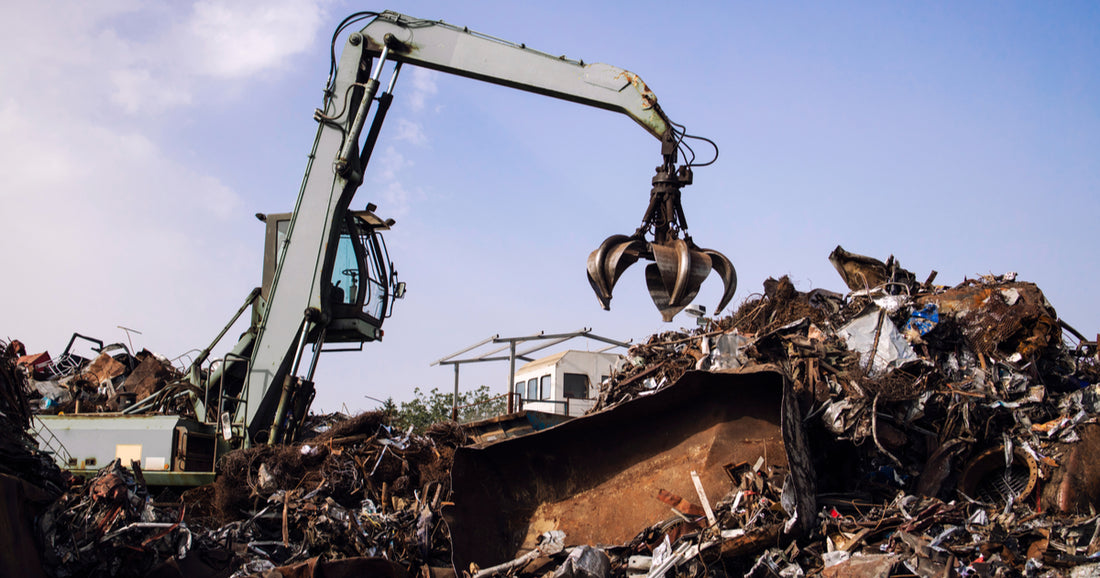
x=679, y=266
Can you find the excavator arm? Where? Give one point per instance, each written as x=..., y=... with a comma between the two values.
x=679, y=266
x=305, y=304
x=459, y=51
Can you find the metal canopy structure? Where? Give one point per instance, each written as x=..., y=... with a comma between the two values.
x=510, y=344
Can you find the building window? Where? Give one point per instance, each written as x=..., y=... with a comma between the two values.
x=544, y=387
x=519, y=388
x=532, y=389
x=575, y=386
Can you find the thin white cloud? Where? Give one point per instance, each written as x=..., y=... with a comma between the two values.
x=116, y=230
x=389, y=192
x=136, y=91
x=396, y=200
x=389, y=163
x=410, y=132
x=103, y=53
x=235, y=39
x=121, y=229
x=423, y=87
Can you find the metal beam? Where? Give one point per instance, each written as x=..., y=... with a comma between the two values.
x=510, y=344
x=470, y=348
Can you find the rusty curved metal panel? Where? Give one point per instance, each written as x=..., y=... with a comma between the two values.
x=598, y=477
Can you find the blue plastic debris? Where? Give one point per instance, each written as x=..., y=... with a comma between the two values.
x=924, y=320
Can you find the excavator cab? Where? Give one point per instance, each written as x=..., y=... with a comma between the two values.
x=362, y=280
x=363, y=283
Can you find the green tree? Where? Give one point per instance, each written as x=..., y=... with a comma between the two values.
x=389, y=407
x=425, y=409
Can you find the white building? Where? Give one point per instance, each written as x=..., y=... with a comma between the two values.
x=565, y=383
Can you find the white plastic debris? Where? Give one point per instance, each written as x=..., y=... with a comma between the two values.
x=875, y=331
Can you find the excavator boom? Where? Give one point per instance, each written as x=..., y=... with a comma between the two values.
x=306, y=302
x=679, y=266
x=459, y=51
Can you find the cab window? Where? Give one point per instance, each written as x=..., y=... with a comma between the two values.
x=575, y=386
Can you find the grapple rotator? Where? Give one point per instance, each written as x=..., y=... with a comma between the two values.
x=679, y=266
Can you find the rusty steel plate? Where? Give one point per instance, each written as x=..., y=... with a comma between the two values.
x=598, y=478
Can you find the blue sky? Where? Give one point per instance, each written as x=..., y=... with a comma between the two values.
x=139, y=138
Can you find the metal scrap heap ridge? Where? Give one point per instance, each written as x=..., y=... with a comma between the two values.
x=903, y=428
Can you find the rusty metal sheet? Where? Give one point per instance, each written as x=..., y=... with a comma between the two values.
x=105, y=367
x=1074, y=487
x=1011, y=317
x=598, y=478
x=148, y=377
x=861, y=272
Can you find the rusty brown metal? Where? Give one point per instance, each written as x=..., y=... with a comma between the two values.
x=150, y=375
x=861, y=272
x=938, y=467
x=1007, y=317
x=647, y=95
x=20, y=504
x=1074, y=487
x=988, y=478
x=104, y=367
x=751, y=541
x=598, y=478
x=680, y=504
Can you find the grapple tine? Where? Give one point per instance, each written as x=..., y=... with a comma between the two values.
x=667, y=259
x=622, y=256
x=608, y=262
x=693, y=269
x=659, y=293
x=682, y=269
x=724, y=267
x=597, y=277
x=661, y=296
x=603, y=297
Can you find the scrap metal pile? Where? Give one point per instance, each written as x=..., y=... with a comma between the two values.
x=111, y=380
x=356, y=490
x=953, y=430
x=19, y=454
x=915, y=429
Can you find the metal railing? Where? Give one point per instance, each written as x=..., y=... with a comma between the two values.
x=237, y=400
x=456, y=411
x=49, y=443
x=566, y=404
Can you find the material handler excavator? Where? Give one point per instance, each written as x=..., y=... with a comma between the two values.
x=327, y=275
